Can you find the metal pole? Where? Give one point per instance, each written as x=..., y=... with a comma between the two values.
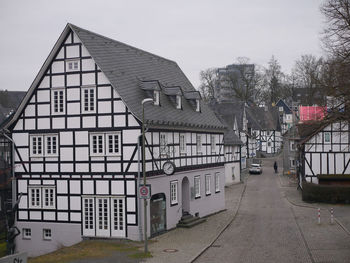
x=139, y=183
x=144, y=177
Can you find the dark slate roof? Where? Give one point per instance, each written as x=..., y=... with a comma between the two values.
x=268, y=118
x=252, y=119
x=9, y=101
x=229, y=111
x=125, y=66
x=282, y=103
x=230, y=138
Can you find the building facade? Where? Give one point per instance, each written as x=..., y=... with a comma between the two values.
x=77, y=154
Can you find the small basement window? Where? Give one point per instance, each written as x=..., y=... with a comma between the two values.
x=47, y=235
x=27, y=233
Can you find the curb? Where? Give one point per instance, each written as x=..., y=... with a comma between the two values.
x=224, y=228
x=313, y=207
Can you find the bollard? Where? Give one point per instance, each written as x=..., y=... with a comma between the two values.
x=319, y=216
x=332, y=217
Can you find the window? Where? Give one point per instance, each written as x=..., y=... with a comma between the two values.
x=198, y=106
x=156, y=97
x=217, y=182
x=72, y=65
x=47, y=234
x=48, y=142
x=58, y=101
x=51, y=145
x=212, y=142
x=163, y=143
x=178, y=102
x=105, y=144
x=292, y=146
x=42, y=197
x=182, y=143
x=207, y=184
x=173, y=193
x=27, y=233
x=113, y=144
x=35, y=197
x=327, y=137
x=280, y=108
x=88, y=100
x=292, y=163
x=197, y=187
x=199, y=143
x=49, y=197
x=269, y=144
x=36, y=145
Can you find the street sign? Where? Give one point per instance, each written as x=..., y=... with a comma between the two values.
x=145, y=191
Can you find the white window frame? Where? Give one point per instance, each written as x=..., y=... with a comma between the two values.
x=72, y=65
x=34, y=150
x=182, y=143
x=98, y=144
x=83, y=101
x=212, y=143
x=156, y=95
x=53, y=151
x=198, y=106
x=163, y=143
x=178, y=102
x=199, y=143
x=197, y=186
x=36, y=190
x=115, y=152
x=280, y=108
x=27, y=233
x=61, y=109
x=50, y=203
x=207, y=184
x=47, y=234
x=174, y=193
x=327, y=134
x=217, y=182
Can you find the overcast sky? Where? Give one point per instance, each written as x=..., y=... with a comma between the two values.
x=197, y=34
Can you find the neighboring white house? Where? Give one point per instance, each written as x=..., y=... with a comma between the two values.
x=286, y=116
x=76, y=136
x=326, y=151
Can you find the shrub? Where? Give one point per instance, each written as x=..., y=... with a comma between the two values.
x=326, y=193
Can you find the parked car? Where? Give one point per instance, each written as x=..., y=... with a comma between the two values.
x=255, y=169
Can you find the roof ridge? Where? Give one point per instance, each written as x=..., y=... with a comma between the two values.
x=74, y=27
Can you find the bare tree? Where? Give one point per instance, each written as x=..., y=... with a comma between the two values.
x=208, y=80
x=307, y=73
x=273, y=81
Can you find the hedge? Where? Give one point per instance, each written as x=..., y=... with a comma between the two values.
x=326, y=193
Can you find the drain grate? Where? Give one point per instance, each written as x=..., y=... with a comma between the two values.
x=170, y=250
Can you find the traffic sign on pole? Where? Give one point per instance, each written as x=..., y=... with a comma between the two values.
x=145, y=191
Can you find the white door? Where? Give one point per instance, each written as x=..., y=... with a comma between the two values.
x=118, y=217
x=102, y=217
x=88, y=217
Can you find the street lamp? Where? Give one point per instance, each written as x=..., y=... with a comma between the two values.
x=144, y=169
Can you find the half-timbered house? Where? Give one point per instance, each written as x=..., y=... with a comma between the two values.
x=76, y=137
x=325, y=151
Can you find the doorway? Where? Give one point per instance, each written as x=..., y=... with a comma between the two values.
x=185, y=188
x=158, y=214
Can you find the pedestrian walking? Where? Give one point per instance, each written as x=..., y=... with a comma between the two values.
x=275, y=166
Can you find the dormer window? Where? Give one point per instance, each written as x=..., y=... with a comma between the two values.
x=178, y=102
x=198, y=106
x=72, y=65
x=156, y=97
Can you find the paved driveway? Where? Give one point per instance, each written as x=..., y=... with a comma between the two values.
x=270, y=229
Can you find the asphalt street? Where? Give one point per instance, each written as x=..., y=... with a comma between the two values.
x=268, y=228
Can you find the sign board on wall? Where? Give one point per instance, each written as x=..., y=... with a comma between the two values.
x=16, y=258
